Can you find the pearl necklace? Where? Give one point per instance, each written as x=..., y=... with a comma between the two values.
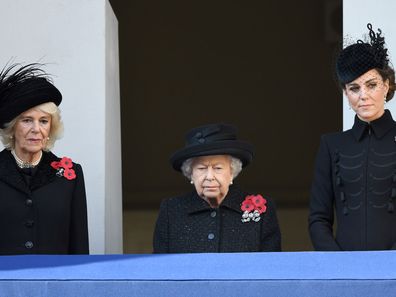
x=23, y=164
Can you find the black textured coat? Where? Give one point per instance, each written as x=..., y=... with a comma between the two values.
x=187, y=224
x=355, y=175
x=47, y=217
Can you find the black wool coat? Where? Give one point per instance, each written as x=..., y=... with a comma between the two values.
x=187, y=224
x=355, y=178
x=47, y=217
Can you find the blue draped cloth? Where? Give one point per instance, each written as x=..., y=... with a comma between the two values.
x=226, y=274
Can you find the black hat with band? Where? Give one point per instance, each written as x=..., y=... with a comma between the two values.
x=213, y=139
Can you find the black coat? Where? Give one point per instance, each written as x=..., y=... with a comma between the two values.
x=355, y=175
x=47, y=217
x=187, y=224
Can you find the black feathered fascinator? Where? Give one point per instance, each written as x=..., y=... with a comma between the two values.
x=360, y=57
x=24, y=87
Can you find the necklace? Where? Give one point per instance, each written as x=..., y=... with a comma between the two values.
x=23, y=164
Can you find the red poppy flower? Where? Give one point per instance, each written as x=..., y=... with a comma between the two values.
x=261, y=208
x=69, y=174
x=55, y=165
x=66, y=162
x=247, y=204
x=258, y=200
x=251, y=205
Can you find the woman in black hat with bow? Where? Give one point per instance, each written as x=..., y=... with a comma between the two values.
x=355, y=174
x=216, y=216
x=42, y=197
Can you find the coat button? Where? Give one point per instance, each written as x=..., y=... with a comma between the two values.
x=29, y=202
x=211, y=236
x=29, y=223
x=213, y=214
x=28, y=244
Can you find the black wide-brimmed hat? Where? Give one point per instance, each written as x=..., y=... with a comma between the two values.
x=360, y=57
x=213, y=139
x=23, y=89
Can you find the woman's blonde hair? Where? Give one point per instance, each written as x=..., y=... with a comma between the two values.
x=56, y=130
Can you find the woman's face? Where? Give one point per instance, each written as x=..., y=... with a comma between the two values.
x=366, y=95
x=212, y=176
x=31, y=131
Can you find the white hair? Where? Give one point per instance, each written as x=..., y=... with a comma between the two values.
x=236, y=167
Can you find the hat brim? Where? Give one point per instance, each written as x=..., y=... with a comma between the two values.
x=238, y=149
x=33, y=93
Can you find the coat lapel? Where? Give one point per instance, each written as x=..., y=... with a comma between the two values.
x=9, y=172
x=232, y=201
x=196, y=203
x=45, y=173
x=10, y=175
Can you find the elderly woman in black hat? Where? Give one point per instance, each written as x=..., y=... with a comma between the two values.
x=217, y=216
x=42, y=197
x=355, y=175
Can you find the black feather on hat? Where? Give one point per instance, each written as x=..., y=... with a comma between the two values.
x=213, y=139
x=23, y=89
x=358, y=58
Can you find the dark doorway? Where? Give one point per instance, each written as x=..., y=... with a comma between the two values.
x=264, y=66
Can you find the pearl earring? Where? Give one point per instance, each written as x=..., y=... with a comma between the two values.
x=231, y=182
x=191, y=182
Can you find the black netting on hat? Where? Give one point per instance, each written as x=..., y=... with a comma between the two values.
x=360, y=57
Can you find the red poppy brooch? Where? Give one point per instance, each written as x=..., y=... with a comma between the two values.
x=64, y=168
x=253, y=206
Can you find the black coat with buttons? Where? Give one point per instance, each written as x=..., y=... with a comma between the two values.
x=187, y=224
x=47, y=215
x=355, y=177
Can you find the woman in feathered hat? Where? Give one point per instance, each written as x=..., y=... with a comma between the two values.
x=217, y=216
x=355, y=173
x=42, y=197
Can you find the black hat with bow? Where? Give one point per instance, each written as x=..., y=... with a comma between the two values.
x=213, y=139
x=360, y=57
x=22, y=88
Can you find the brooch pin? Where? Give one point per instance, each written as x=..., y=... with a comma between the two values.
x=64, y=168
x=253, y=206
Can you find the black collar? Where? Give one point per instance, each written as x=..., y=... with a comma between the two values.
x=379, y=127
x=10, y=174
x=232, y=200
